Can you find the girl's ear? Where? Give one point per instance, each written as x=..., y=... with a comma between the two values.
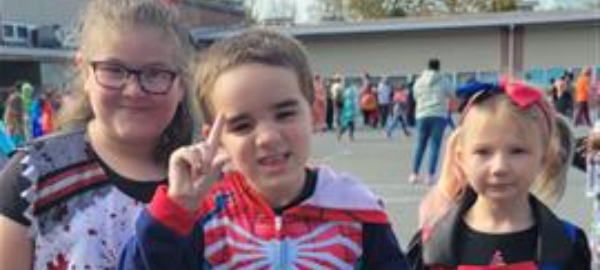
x=457, y=159
x=451, y=179
x=457, y=155
x=556, y=156
x=78, y=60
x=80, y=65
x=83, y=69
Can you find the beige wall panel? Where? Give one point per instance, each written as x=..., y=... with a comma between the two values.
x=405, y=53
x=561, y=45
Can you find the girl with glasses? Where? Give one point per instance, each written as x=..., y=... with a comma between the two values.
x=69, y=201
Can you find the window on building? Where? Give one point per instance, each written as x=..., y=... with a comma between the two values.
x=465, y=76
x=22, y=32
x=576, y=71
x=354, y=81
x=537, y=76
x=396, y=81
x=488, y=76
x=8, y=31
x=449, y=78
x=375, y=79
x=555, y=73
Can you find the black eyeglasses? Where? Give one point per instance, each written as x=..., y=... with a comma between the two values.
x=152, y=80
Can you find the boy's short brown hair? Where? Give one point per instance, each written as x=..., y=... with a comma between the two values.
x=251, y=47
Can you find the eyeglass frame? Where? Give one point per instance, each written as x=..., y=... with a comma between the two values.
x=138, y=76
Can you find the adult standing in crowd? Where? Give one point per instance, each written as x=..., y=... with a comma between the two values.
x=562, y=98
x=337, y=94
x=432, y=94
x=582, y=94
x=384, y=101
x=84, y=187
x=329, y=106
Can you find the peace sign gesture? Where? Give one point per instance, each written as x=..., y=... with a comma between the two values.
x=193, y=169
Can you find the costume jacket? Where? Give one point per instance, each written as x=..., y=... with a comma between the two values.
x=341, y=225
x=560, y=244
x=78, y=218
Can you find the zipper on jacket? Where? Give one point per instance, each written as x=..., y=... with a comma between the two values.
x=278, y=222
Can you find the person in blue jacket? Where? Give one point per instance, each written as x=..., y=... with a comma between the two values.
x=269, y=209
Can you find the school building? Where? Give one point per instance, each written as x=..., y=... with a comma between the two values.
x=535, y=45
x=37, y=40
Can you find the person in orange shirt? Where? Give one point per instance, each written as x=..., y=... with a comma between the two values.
x=582, y=90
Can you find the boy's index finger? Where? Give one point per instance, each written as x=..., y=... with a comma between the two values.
x=214, y=136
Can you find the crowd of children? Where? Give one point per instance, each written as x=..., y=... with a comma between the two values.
x=373, y=103
x=28, y=114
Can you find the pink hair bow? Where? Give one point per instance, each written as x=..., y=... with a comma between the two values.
x=521, y=93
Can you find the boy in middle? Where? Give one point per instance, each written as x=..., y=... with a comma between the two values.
x=272, y=211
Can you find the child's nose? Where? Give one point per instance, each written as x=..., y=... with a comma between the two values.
x=499, y=164
x=267, y=133
x=133, y=87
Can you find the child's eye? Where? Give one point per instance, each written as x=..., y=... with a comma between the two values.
x=242, y=127
x=518, y=150
x=481, y=151
x=283, y=115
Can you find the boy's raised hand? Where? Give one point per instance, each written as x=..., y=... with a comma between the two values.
x=193, y=169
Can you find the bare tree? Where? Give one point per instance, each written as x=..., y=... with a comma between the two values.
x=504, y=5
x=366, y=9
x=328, y=10
x=272, y=11
x=352, y=10
x=477, y=6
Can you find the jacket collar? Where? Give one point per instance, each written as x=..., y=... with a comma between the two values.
x=553, y=244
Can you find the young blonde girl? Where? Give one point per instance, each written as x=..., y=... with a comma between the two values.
x=504, y=164
x=449, y=188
